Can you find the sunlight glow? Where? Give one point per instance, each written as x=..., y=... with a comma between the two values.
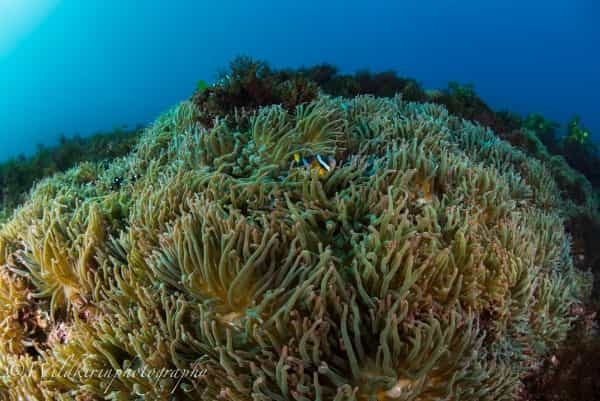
x=18, y=18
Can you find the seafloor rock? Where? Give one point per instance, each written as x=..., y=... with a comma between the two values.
x=363, y=249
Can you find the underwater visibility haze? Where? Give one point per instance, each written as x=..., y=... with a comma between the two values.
x=94, y=65
x=303, y=201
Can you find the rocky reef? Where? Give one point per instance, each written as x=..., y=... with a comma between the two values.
x=327, y=248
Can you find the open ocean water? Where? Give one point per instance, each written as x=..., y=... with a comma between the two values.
x=80, y=66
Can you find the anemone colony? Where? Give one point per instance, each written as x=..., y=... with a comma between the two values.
x=430, y=263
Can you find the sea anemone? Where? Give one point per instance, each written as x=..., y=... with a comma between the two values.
x=430, y=264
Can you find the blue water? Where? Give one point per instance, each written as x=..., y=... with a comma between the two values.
x=96, y=64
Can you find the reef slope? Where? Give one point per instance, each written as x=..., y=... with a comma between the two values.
x=342, y=249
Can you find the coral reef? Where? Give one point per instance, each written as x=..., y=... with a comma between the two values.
x=570, y=162
x=250, y=83
x=18, y=175
x=544, y=129
x=571, y=374
x=580, y=151
x=430, y=261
